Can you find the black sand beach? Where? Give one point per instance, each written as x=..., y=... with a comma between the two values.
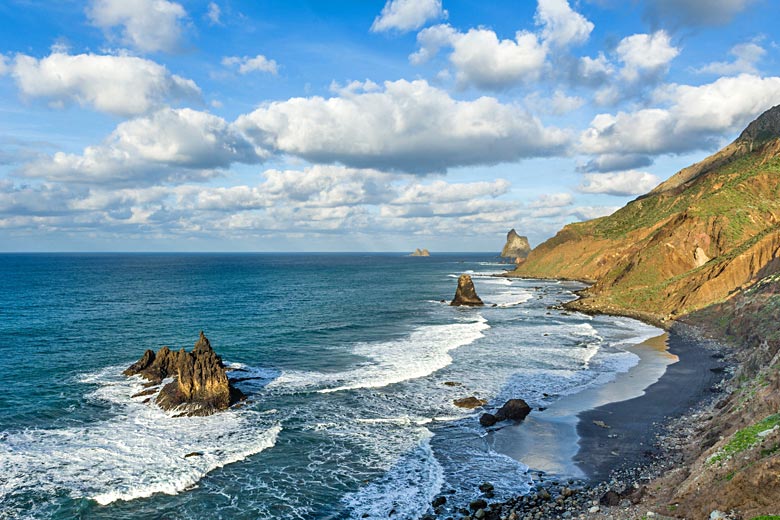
x=633, y=423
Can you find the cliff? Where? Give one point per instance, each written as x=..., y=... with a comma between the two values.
x=516, y=247
x=708, y=231
x=420, y=252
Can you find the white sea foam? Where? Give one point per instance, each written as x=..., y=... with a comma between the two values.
x=407, y=488
x=136, y=452
x=421, y=353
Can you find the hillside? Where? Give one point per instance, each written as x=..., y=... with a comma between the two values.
x=710, y=230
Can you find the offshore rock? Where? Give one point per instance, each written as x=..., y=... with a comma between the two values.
x=469, y=402
x=200, y=385
x=516, y=247
x=421, y=252
x=466, y=294
x=514, y=409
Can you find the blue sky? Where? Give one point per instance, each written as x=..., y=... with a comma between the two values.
x=225, y=125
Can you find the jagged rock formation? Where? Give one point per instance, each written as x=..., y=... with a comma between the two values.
x=466, y=294
x=516, y=247
x=200, y=385
x=421, y=252
x=708, y=231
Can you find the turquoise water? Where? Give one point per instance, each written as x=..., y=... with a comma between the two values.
x=349, y=416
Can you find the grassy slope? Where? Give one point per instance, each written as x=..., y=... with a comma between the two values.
x=643, y=258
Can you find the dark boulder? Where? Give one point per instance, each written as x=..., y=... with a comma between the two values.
x=487, y=419
x=514, y=409
x=470, y=402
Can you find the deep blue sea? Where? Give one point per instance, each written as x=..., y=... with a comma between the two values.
x=348, y=417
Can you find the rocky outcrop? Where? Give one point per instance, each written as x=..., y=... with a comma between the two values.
x=421, y=252
x=466, y=294
x=200, y=384
x=516, y=247
x=696, y=239
x=469, y=402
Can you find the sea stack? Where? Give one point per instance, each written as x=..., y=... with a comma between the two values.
x=200, y=385
x=421, y=252
x=466, y=294
x=516, y=247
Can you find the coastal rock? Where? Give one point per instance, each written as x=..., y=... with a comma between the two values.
x=466, y=294
x=420, y=252
x=470, y=402
x=487, y=420
x=514, y=409
x=200, y=385
x=516, y=247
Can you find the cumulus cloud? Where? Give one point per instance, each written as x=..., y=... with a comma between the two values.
x=441, y=191
x=248, y=64
x=214, y=13
x=409, y=126
x=696, y=117
x=122, y=85
x=695, y=12
x=481, y=59
x=561, y=25
x=3, y=65
x=625, y=183
x=746, y=56
x=646, y=54
x=407, y=15
x=171, y=145
x=146, y=25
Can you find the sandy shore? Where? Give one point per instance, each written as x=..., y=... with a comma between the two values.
x=671, y=376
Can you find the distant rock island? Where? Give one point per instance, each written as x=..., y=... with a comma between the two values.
x=516, y=248
x=421, y=252
x=200, y=385
x=466, y=294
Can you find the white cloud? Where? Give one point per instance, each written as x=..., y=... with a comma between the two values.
x=481, y=59
x=408, y=126
x=441, y=191
x=697, y=117
x=214, y=13
x=122, y=85
x=167, y=146
x=591, y=212
x=553, y=200
x=4, y=68
x=147, y=25
x=562, y=26
x=248, y=64
x=746, y=55
x=407, y=15
x=625, y=183
x=609, y=162
x=695, y=12
x=558, y=104
x=646, y=54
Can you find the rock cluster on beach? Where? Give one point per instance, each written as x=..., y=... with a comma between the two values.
x=420, y=252
x=466, y=294
x=513, y=410
x=200, y=385
x=516, y=248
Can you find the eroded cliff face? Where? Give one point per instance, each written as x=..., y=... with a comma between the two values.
x=733, y=458
x=697, y=238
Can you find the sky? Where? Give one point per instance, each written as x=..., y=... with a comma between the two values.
x=226, y=125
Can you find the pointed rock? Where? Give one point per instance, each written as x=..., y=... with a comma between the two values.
x=516, y=247
x=466, y=294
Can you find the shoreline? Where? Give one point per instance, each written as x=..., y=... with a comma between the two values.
x=550, y=440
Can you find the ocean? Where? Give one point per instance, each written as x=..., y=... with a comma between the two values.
x=348, y=415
